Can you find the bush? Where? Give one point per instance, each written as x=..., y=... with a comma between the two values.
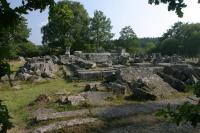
x=5, y=123
x=187, y=112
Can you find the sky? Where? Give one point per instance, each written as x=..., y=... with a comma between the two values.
x=146, y=20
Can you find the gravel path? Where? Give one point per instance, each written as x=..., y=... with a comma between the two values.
x=157, y=128
x=131, y=109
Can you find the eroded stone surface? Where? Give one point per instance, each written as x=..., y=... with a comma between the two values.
x=56, y=115
x=62, y=124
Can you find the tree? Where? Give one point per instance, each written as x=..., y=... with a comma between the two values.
x=28, y=49
x=184, y=113
x=127, y=33
x=100, y=29
x=173, y=5
x=11, y=37
x=5, y=122
x=148, y=45
x=67, y=26
x=9, y=15
x=182, y=39
x=128, y=39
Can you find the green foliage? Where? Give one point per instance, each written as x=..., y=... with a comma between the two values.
x=12, y=37
x=10, y=16
x=173, y=5
x=128, y=40
x=197, y=89
x=149, y=47
x=184, y=113
x=67, y=26
x=5, y=122
x=90, y=48
x=182, y=39
x=28, y=49
x=127, y=33
x=100, y=29
x=5, y=68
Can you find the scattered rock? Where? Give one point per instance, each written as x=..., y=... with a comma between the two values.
x=41, y=99
x=88, y=87
x=175, y=83
x=97, y=98
x=37, y=67
x=116, y=88
x=63, y=100
x=141, y=81
x=76, y=100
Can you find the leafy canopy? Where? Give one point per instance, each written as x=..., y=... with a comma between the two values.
x=184, y=113
x=5, y=123
x=100, y=29
x=182, y=39
x=9, y=15
x=173, y=5
x=67, y=26
x=127, y=33
x=128, y=40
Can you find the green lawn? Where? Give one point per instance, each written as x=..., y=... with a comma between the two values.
x=17, y=101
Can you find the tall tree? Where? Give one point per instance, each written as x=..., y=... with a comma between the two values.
x=9, y=18
x=10, y=38
x=128, y=39
x=127, y=33
x=100, y=29
x=67, y=26
x=181, y=38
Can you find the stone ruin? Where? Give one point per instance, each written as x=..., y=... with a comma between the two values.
x=145, y=76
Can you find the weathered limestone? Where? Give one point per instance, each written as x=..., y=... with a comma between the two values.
x=175, y=83
x=62, y=124
x=94, y=74
x=37, y=67
x=76, y=100
x=143, y=82
x=56, y=115
x=116, y=88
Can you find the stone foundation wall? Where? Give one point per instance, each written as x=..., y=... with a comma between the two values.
x=115, y=58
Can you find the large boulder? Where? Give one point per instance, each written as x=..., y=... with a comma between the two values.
x=116, y=88
x=84, y=63
x=37, y=67
x=94, y=74
x=175, y=83
x=186, y=74
x=77, y=100
x=64, y=59
x=144, y=81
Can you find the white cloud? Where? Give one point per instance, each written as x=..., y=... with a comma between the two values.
x=43, y=23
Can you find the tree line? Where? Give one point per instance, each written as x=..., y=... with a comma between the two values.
x=182, y=39
x=69, y=25
x=11, y=17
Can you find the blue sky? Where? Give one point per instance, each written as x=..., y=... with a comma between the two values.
x=145, y=19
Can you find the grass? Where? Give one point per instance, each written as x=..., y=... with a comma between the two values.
x=17, y=101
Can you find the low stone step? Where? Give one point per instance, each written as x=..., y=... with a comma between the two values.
x=51, y=116
x=62, y=124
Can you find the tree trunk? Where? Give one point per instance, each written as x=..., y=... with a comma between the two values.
x=98, y=41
